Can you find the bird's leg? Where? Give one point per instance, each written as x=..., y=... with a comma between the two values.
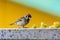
x=24, y=27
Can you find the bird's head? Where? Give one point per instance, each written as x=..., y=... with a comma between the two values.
x=28, y=16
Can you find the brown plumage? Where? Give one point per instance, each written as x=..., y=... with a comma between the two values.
x=23, y=21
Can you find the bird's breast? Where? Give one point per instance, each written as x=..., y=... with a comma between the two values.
x=21, y=23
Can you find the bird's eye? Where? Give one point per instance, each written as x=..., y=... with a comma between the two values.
x=26, y=16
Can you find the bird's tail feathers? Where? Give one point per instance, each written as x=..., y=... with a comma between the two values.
x=11, y=23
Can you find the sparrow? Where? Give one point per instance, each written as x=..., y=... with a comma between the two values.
x=23, y=20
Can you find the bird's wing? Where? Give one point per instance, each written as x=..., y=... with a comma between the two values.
x=21, y=19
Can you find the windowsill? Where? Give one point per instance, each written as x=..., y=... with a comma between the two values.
x=17, y=33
